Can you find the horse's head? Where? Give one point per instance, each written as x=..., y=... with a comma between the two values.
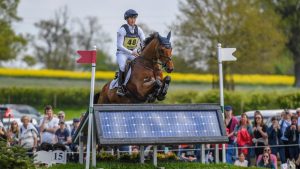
x=159, y=48
x=164, y=52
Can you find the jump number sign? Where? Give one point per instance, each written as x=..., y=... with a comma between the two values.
x=130, y=42
x=59, y=156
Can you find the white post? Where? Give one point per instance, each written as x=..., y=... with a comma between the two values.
x=80, y=148
x=203, y=153
x=221, y=95
x=93, y=143
x=88, y=148
x=118, y=153
x=155, y=155
x=91, y=109
x=217, y=153
x=142, y=154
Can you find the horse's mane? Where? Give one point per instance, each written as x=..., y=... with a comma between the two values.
x=150, y=38
x=162, y=40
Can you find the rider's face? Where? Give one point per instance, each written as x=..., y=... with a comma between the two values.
x=131, y=20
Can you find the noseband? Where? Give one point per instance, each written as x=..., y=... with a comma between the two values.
x=160, y=54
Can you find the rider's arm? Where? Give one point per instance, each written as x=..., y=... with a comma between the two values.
x=142, y=36
x=120, y=40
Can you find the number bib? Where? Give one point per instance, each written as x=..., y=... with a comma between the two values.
x=130, y=42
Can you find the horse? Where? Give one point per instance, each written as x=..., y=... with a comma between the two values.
x=146, y=83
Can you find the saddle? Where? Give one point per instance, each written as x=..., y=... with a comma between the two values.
x=114, y=82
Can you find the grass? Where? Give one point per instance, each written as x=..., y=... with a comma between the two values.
x=73, y=83
x=166, y=165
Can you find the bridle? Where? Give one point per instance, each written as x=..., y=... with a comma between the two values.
x=161, y=58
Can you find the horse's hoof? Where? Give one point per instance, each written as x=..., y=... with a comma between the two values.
x=165, y=90
x=167, y=79
x=161, y=98
x=151, y=100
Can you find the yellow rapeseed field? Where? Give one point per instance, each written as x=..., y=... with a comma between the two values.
x=252, y=79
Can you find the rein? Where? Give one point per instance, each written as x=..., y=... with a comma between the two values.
x=144, y=62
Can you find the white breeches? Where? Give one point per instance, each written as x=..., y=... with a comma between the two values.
x=122, y=58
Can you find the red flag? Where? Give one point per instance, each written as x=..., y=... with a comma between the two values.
x=87, y=56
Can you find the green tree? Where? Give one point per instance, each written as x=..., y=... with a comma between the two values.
x=14, y=157
x=91, y=33
x=290, y=13
x=10, y=43
x=181, y=65
x=55, y=46
x=247, y=25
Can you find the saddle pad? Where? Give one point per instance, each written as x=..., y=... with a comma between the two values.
x=114, y=83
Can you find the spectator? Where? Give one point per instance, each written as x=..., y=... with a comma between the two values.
x=188, y=154
x=274, y=136
x=241, y=161
x=48, y=126
x=230, y=123
x=298, y=114
x=292, y=134
x=76, y=123
x=273, y=157
x=284, y=123
x=243, y=132
x=2, y=132
x=13, y=134
x=28, y=135
x=62, y=134
x=265, y=162
x=259, y=133
x=298, y=123
x=61, y=116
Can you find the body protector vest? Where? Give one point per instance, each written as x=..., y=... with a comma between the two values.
x=131, y=40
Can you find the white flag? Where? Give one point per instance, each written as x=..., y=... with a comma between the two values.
x=226, y=54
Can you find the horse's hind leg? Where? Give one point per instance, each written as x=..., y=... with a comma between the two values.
x=166, y=82
x=103, y=96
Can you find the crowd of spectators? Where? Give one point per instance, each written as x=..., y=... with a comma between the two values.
x=266, y=145
x=52, y=133
x=250, y=143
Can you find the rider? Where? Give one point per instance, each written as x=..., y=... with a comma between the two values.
x=128, y=38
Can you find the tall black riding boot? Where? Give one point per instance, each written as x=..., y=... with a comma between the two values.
x=121, y=91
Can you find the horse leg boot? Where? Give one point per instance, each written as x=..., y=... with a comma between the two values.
x=121, y=90
x=161, y=96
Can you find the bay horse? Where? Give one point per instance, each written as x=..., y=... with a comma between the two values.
x=146, y=83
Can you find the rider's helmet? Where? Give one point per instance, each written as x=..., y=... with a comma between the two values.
x=130, y=13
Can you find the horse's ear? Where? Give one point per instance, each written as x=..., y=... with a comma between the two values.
x=169, y=36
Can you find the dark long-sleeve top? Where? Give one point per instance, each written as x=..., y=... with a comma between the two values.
x=292, y=135
x=274, y=136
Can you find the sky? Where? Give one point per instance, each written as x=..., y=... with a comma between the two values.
x=156, y=14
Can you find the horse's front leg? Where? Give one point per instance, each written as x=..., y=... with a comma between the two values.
x=151, y=88
x=166, y=82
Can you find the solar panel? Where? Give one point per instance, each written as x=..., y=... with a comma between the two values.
x=168, y=124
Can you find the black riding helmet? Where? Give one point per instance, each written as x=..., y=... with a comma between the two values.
x=130, y=13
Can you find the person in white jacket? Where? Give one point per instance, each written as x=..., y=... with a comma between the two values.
x=28, y=135
x=129, y=38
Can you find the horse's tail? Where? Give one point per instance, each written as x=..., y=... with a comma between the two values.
x=96, y=97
